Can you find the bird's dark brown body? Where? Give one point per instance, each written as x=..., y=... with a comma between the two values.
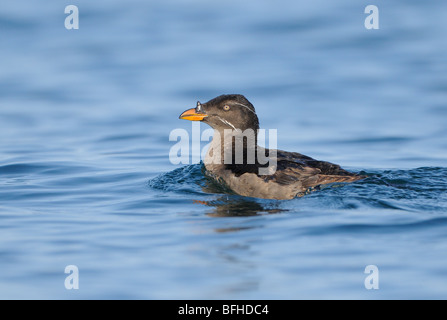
x=290, y=174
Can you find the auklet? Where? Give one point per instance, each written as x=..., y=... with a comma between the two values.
x=235, y=159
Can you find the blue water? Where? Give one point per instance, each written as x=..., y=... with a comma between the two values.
x=85, y=178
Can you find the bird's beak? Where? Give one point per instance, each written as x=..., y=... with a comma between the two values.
x=193, y=115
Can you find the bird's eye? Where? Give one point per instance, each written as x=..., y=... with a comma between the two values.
x=226, y=107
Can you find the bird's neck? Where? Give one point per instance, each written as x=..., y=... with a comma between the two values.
x=232, y=147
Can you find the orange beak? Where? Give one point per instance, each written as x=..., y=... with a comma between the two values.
x=192, y=115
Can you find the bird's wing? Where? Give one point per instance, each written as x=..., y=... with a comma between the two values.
x=296, y=168
x=293, y=167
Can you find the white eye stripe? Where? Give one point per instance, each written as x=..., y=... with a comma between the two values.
x=243, y=105
x=226, y=122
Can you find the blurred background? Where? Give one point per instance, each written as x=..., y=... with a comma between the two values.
x=85, y=117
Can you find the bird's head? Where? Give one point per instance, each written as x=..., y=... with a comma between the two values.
x=232, y=111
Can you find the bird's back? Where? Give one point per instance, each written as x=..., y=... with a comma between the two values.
x=295, y=174
x=293, y=167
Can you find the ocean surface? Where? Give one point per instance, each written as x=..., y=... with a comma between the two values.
x=85, y=175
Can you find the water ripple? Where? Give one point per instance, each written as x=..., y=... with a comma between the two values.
x=408, y=190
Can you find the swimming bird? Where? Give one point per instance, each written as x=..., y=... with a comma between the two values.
x=235, y=159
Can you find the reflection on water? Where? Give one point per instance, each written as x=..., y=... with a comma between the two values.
x=236, y=206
